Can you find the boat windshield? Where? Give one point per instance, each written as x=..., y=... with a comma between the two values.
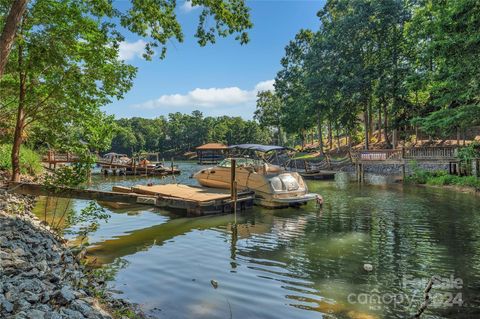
x=241, y=162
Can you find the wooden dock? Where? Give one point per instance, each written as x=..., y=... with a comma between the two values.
x=195, y=201
x=114, y=166
x=318, y=175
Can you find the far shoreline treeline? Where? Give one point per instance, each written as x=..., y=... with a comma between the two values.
x=178, y=133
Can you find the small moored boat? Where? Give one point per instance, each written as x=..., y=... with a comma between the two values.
x=274, y=187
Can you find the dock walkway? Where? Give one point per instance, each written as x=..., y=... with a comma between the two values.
x=196, y=201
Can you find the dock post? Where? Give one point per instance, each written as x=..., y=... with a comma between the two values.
x=173, y=174
x=233, y=189
x=362, y=173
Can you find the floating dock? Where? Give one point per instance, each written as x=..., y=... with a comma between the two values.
x=194, y=200
x=318, y=175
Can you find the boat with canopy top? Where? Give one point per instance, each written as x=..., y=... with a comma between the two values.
x=274, y=187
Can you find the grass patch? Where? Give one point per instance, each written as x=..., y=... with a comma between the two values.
x=30, y=161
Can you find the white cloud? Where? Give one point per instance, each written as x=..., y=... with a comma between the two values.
x=208, y=98
x=187, y=6
x=265, y=86
x=130, y=50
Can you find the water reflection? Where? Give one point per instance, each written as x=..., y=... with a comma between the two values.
x=298, y=263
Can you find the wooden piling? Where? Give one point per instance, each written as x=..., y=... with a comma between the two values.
x=233, y=187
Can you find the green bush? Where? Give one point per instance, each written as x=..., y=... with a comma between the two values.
x=419, y=176
x=440, y=178
x=30, y=161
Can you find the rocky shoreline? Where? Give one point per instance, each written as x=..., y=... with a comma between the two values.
x=41, y=278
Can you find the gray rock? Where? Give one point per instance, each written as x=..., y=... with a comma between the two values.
x=45, y=297
x=42, y=266
x=84, y=308
x=19, y=252
x=22, y=304
x=53, y=315
x=7, y=306
x=65, y=295
x=31, y=297
x=21, y=315
x=35, y=314
x=72, y=314
x=15, y=262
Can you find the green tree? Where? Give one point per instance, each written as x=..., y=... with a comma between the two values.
x=63, y=66
x=155, y=19
x=267, y=112
x=447, y=53
x=64, y=62
x=290, y=85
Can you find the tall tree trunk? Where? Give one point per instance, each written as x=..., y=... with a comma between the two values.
x=394, y=138
x=20, y=124
x=338, y=138
x=379, y=128
x=365, y=123
x=320, y=135
x=330, y=135
x=370, y=119
x=9, y=30
x=385, y=123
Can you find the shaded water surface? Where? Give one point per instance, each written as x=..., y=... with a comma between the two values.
x=298, y=263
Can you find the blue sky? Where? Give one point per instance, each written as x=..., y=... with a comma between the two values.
x=220, y=79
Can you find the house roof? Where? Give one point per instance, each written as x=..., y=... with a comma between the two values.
x=213, y=146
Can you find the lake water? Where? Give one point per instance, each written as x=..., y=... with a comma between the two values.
x=297, y=263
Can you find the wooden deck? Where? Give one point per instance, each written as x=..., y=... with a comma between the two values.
x=200, y=194
x=196, y=201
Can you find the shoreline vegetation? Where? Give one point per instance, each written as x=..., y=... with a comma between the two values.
x=441, y=179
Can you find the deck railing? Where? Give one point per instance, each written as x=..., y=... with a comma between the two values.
x=54, y=157
x=379, y=155
x=412, y=153
x=431, y=153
